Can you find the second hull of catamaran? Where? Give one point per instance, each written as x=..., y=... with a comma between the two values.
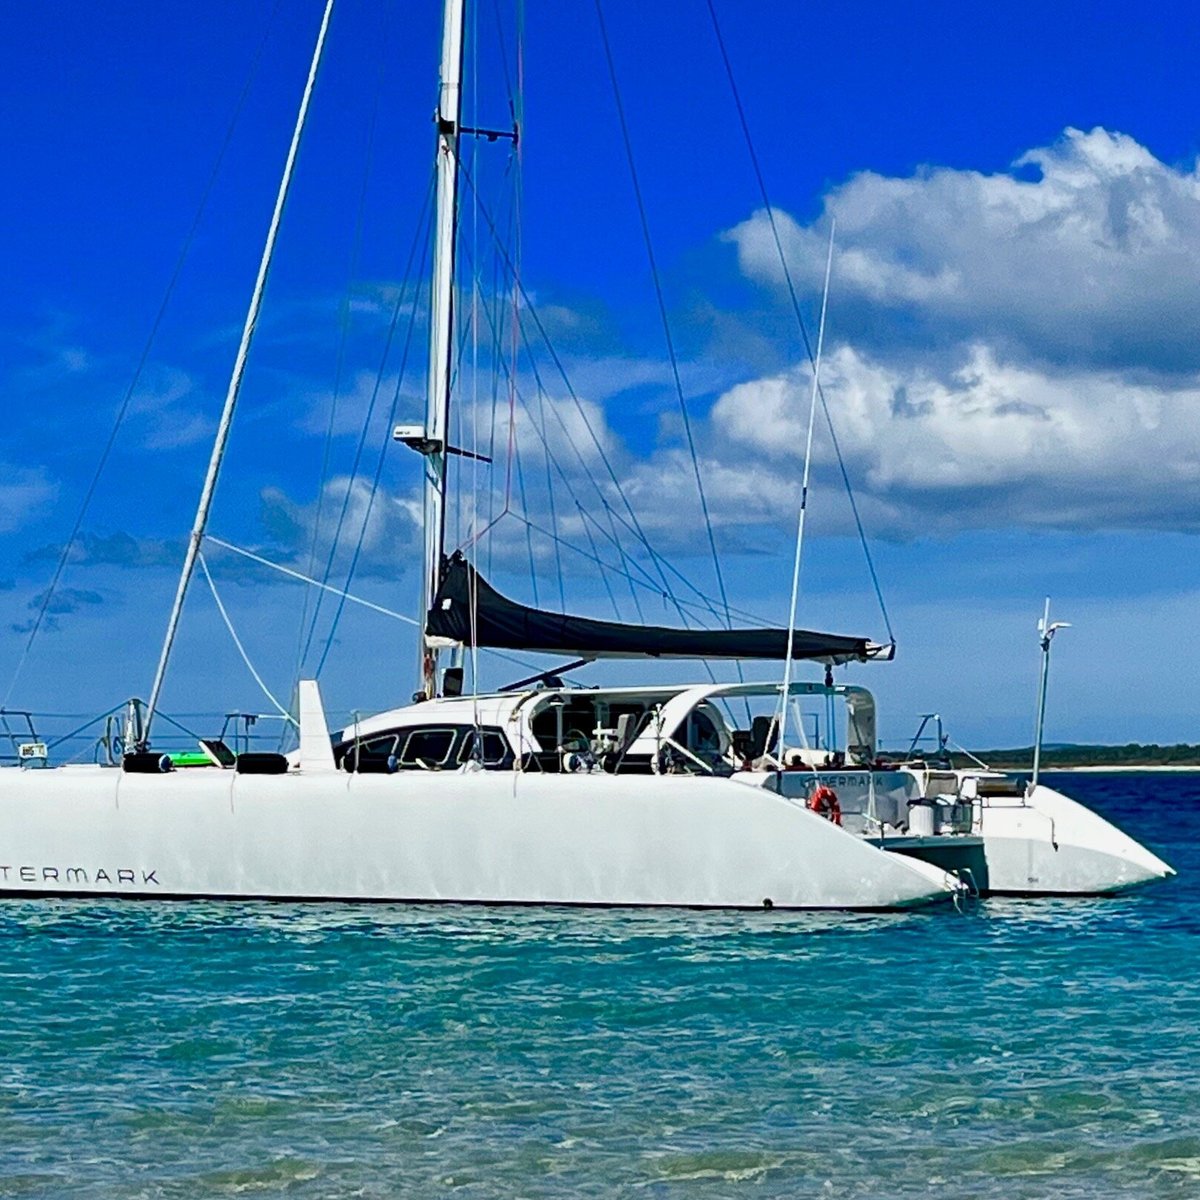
x=470, y=835
x=1011, y=842
x=1000, y=836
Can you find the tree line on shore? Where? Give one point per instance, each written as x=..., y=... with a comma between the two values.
x=1133, y=754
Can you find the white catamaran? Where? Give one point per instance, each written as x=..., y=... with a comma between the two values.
x=545, y=794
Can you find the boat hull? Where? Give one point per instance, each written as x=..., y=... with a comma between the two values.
x=1043, y=844
x=493, y=837
x=1053, y=846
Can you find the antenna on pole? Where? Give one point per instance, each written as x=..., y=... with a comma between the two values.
x=1046, y=632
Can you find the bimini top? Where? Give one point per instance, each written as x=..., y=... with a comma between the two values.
x=502, y=624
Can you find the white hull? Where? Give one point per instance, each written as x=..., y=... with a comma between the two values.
x=1045, y=844
x=497, y=837
x=1053, y=845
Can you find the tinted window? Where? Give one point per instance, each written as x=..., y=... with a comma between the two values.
x=431, y=746
x=495, y=748
x=369, y=750
x=380, y=746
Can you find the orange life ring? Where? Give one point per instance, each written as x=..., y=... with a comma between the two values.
x=824, y=802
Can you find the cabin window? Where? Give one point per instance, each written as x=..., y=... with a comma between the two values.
x=487, y=746
x=368, y=754
x=703, y=731
x=380, y=746
x=429, y=747
x=565, y=727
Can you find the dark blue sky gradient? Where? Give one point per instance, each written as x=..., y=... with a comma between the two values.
x=114, y=115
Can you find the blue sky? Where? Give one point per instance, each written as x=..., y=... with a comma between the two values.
x=1012, y=365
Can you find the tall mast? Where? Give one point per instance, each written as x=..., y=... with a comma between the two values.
x=441, y=325
x=235, y=383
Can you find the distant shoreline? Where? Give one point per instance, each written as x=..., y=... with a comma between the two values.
x=1131, y=757
x=1126, y=768
x=1094, y=768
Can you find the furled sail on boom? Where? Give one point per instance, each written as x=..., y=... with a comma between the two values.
x=502, y=624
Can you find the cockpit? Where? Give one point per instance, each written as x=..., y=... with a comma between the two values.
x=716, y=730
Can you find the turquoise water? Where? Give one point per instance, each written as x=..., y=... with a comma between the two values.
x=1021, y=1049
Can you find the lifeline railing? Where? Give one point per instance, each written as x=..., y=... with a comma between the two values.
x=102, y=738
x=23, y=733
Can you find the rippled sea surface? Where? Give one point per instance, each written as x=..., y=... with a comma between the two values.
x=1020, y=1049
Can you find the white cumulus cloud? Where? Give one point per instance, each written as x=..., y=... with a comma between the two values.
x=1011, y=348
x=1088, y=250
x=987, y=443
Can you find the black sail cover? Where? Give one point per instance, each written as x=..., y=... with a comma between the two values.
x=502, y=624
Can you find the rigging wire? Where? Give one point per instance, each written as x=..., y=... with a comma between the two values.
x=379, y=608
x=494, y=397
x=540, y=431
x=266, y=691
x=662, y=307
x=795, y=304
x=397, y=310
x=504, y=261
x=182, y=728
x=473, y=598
x=528, y=528
x=862, y=536
x=963, y=750
x=595, y=554
x=379, y=462
x=503, y=381
x=557, y=540
x=143, y=358
x=633, y=525
x=274, y=566
x=530, y=308
x=673, y=601
x=644, y=580
x=344, y=320
x=517, y=103
x=562, y=599
x=74, y=733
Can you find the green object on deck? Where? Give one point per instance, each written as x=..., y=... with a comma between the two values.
x=190, y=758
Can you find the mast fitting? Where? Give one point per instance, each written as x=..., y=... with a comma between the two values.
x=415, y=438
